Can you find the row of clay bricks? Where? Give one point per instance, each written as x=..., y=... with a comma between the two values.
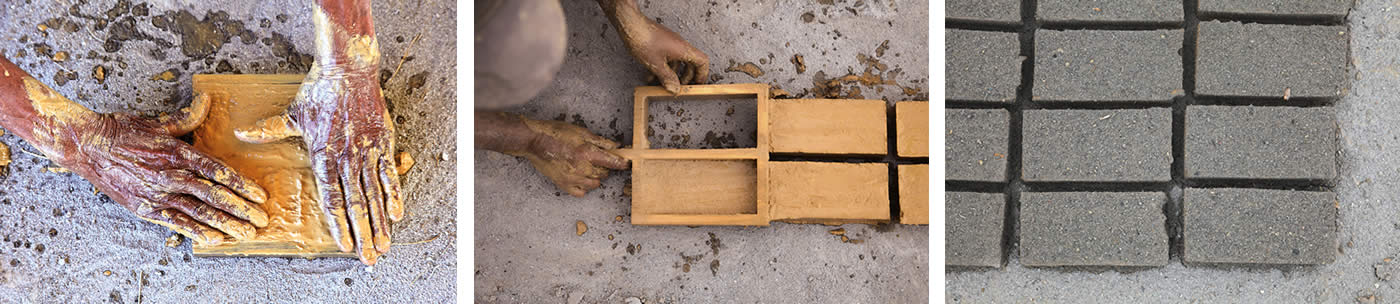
x=1129, y=229
x=1135, y=145
x=1009, y=11
x=1232, y=60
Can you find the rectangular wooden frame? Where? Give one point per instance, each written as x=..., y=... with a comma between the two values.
x=641, y=152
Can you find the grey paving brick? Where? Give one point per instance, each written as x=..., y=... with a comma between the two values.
x=974, y=228
x=1277, y=8
x=1257, y=226
x=998, y=11
x=982, y=66
x=1249, y=142
x=1099, y=10
x=1097, y=145
x=1086, y=65
x=1093, y=229
x=1237, y=59
x=976, y=144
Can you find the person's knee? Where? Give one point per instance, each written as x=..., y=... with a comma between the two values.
x=519, y=48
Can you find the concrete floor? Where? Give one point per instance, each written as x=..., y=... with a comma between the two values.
x=1365, y=270
x=61, y=240
x=526, y=247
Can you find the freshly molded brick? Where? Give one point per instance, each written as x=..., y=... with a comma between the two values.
x=1120, y=66
x=1093, y=229
x=1331, y=8
x=1133, y=145
x=976, y=144
x=982, y=66
x=1257, y=226
x=1249, y=142
x=974, y=228
x=1271, y=60
x=1101, y=11
x=997, y=11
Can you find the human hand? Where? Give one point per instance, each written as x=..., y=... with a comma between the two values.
x=575, y=159
x=657, y=47
x=141, y=165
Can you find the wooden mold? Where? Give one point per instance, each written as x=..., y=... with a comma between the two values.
x=295, y=227
x=695, y=187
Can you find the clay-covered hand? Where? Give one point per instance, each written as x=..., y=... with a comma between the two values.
x=140, y=164
x=657, y=47
x=571, y=156
x=341, y=117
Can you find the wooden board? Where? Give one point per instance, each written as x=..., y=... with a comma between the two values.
x=699, y=187
x=830, y=193
x=295, y=227
x=911, y=128
x=913, y=194
x=828, y=126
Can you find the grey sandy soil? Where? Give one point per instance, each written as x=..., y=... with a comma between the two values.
x=61, y=240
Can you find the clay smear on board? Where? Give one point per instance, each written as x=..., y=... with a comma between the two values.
x=295, y=226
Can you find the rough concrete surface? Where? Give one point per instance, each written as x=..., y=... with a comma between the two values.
x=1131, y=145
x=1251, y=59
x=1368, y=213
x=974, y=223
x=527, y=249
x=1113, y=11
x=63, y=243
x=1261, y=142
x=1233, y=225
x=1093, y=229
x=976, y=144
x=982, y=66
x=1087, y=65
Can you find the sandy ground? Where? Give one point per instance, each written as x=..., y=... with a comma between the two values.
x=526, y=248
x=1369, y=238
x=65, y=244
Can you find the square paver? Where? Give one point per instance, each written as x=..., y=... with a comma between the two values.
x=1109, y=11
x=982, y=66
x=1093, y=229
x=1336, y=9
x=1258, y=226
x=1250, y=142
x=1131, y=145
x=996, y=11
x=976, y=144
x=974, y=228
x=1099, y=66
x=1271, y=60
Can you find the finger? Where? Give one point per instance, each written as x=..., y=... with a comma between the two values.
x=186, y=226
x=215, y=170
x=699, y=64
x=599, y=157
x=577, y=191
x=391, y=189
x=379, y=221
x=215, y=195
x=218, y=219
x=687, y=73
x=333, y=203
x=668, y=78
x=599, y=141
x=357, y=208
x=188, y=118
x=268, y=130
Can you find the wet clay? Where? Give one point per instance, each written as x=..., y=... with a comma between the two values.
x=827, y=126
x=295, y=225
x=829, y=193
x=911, y=128
x=913, y=194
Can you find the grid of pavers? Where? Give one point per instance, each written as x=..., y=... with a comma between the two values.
x=1141, y=133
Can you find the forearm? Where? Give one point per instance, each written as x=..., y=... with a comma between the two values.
x=503, y=132
x=345, y=40
x=39, y=115
x=622, y=13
